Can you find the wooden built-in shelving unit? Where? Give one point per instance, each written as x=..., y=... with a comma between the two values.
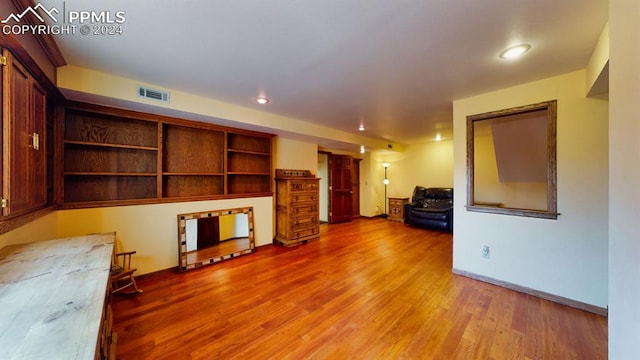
x=248, y=163
x=108, y=158
x=193, y=162
x=119, y=157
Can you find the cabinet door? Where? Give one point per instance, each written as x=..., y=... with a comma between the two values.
x=24, y=153
x=38, y=157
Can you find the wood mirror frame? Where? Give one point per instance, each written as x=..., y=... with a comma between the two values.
x=216, y=244
x=538, y=112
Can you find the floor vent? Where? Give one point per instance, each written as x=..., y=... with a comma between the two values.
x=153, y=94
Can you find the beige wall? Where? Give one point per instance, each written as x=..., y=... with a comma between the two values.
x=323, y=174
x=596, y=83
x=370, y=188
x=44, y=228
x=294, y=154
x=428, y=164
x=227, y=227
x=624, y=193
x=122, y=91
x=565, y=257
x=152, y=230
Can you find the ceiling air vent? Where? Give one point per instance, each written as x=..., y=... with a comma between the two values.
x=153, y=94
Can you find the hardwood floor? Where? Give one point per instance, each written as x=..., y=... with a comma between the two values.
x=370, y=289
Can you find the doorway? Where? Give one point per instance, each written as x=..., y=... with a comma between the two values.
x=323, y=174
x=340, y=191
x=342, y=173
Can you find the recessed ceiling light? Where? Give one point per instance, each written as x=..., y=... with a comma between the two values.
x=361, y=128
x=262, y=100
x=515, y=51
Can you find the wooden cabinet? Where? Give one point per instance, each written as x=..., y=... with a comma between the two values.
x=396, y=208
x=297, y=205
x=24, y=117
x=118, y=157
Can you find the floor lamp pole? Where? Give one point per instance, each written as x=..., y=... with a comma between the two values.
x=385, y=200
x=386, y=182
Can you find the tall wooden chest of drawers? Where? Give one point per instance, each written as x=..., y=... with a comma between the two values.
x=297, y=204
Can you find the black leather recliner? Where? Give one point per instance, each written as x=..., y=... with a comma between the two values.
x=430, y=208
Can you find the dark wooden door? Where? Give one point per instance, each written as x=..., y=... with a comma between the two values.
x=340, y=188
x=208, y=232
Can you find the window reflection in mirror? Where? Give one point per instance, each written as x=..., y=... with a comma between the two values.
x=511, y=161
x=212, y=236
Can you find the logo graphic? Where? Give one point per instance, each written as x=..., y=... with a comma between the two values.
x=33, y=11
x=69, y=22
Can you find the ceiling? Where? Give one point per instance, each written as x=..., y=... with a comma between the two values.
x=394, y=66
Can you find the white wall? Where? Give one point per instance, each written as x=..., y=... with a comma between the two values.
x=152, y=230
x=624, y=193
x=565, y=257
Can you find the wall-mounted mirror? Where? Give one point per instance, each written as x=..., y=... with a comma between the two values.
x=212, y=236
x=511, y=161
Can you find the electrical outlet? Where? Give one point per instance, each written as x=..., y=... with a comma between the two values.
x=485, y=251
